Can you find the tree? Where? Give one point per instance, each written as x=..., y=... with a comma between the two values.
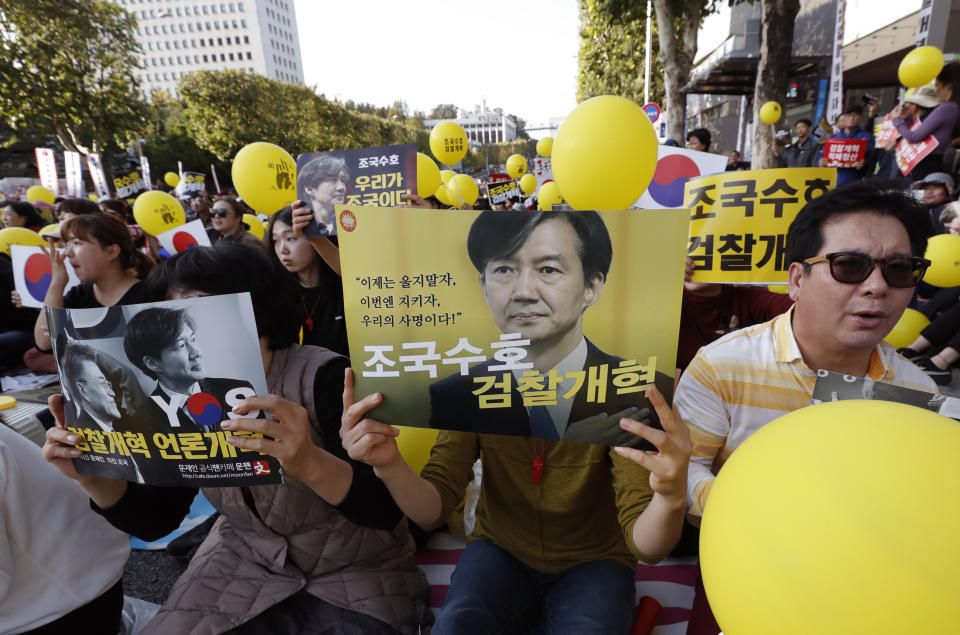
x=773, y=70
x=68, y=67
x=443, y=111
x=167, y=140
x=612, y=56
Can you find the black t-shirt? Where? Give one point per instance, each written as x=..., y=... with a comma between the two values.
x=322, y=313
x=82, y=297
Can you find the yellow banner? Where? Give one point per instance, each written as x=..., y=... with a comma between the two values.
x=470, y=320
x=739, y=221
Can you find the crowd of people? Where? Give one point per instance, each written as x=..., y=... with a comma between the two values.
x=331, y=548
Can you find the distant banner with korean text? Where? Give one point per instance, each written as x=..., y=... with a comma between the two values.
x=47, y=169
x=502, y=190
x=739, y=221
x=129, y=184
x=71, y=161
x=95, y=165
x=447, y=347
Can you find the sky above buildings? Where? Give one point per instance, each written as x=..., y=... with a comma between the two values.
x=521, y=55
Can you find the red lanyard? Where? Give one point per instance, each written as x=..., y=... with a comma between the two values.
x=536, y=471
x=309, y=320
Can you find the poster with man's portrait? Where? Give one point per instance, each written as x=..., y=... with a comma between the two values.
x=378, y=176
x=541, y=324
x=147, y=386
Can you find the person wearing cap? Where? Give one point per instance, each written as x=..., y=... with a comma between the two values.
x=942, y=122
x=849, y=128
x=937, y=192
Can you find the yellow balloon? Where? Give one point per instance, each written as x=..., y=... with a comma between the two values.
x=428, y=175
x=265, y=176
x=779, y=288
x=46, y=229
x=907, y=328
x=415, y=445
x=443, y=195
x=463, y=189
x=528, y=184
x=770, y=112
x=448, y=142
x=256, y=227
x=920, y=66
x=549, y=195
x=171, y=178
x=545, y=146
x=93, y=197
x=157, y=211
x=446, y=175
x=943, y=251
x=19, y=236
x=604, y=154
x=807, y=531
x=516, y=166
x=40, y=193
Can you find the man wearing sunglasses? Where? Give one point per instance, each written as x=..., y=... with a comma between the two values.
x=855, y=256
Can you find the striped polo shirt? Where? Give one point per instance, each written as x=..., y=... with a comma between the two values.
x=747, y=379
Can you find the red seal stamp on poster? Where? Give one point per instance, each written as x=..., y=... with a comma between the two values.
x=348, y=220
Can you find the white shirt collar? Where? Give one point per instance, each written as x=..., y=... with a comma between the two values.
x=560, y=412
x=181, y=398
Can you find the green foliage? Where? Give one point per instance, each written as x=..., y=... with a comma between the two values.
x=167, y=141
x=612, y=51
x=226, y=110
x=68, y=68
x=443, y=111
x=497, y=153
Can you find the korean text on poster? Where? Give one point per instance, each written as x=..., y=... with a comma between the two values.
x=508, y=335
x=503, y=190
x=739, y=221
x=378, y=176
x=129, y=185
x=909, y=155
x=148, y=385
x=190, y=183
x=844, y=153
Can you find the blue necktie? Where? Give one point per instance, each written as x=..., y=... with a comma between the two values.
x=541, y=425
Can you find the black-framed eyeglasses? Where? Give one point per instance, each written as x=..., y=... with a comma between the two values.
x=219, y=213
x=853, y=267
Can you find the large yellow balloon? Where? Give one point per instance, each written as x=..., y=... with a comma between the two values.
x=171, y=178
x=256, y=227
x=516, y=166
x=943, y=251
x=528, y=184
x=265, y=177
x=770, y=112
x=907, y=328
x=920, y=66
x=46, y=229
x=157, y=211
x=18, y=236
x=93, y=197
x=604, y=154
x=806, y=530
x=545, y=146
x=443, y=195
x=415, y=445
x=428, y=175
x=463, y=189
x=549, y=195
x=448, y=142
x=40, y=193
x=446, y=175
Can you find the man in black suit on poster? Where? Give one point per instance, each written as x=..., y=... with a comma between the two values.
x=162, y=343
x=540, y=272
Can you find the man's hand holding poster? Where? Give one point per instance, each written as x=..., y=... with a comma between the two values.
x=739, y=221
x=543, y=324
x=378, y=176
x=147, y=386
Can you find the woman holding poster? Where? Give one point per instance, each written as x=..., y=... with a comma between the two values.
x=328, y=547
x=942, y=123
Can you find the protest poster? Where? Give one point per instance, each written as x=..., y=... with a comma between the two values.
x=844, y=153
x=909, y=155
x=832, y=386
x=184, y=237
x=32, y=275
x=47, y=169
x=377, y=176
x=676, y=166
x=147, y=386
x=739, y=221
x=129, y=185
x=886, y=132
x=501, y=191
x=190, y=183
x=98, y=176
x=452, y=349
x=71, y=161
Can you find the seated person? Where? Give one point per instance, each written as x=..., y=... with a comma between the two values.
x=60, y=563
x=326, y=548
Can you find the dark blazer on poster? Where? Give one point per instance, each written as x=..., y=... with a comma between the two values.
x=453, y=406
x=126, y=472
x=216, y=386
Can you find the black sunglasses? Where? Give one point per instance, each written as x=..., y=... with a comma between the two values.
x=219, y=213
x=853, y=267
